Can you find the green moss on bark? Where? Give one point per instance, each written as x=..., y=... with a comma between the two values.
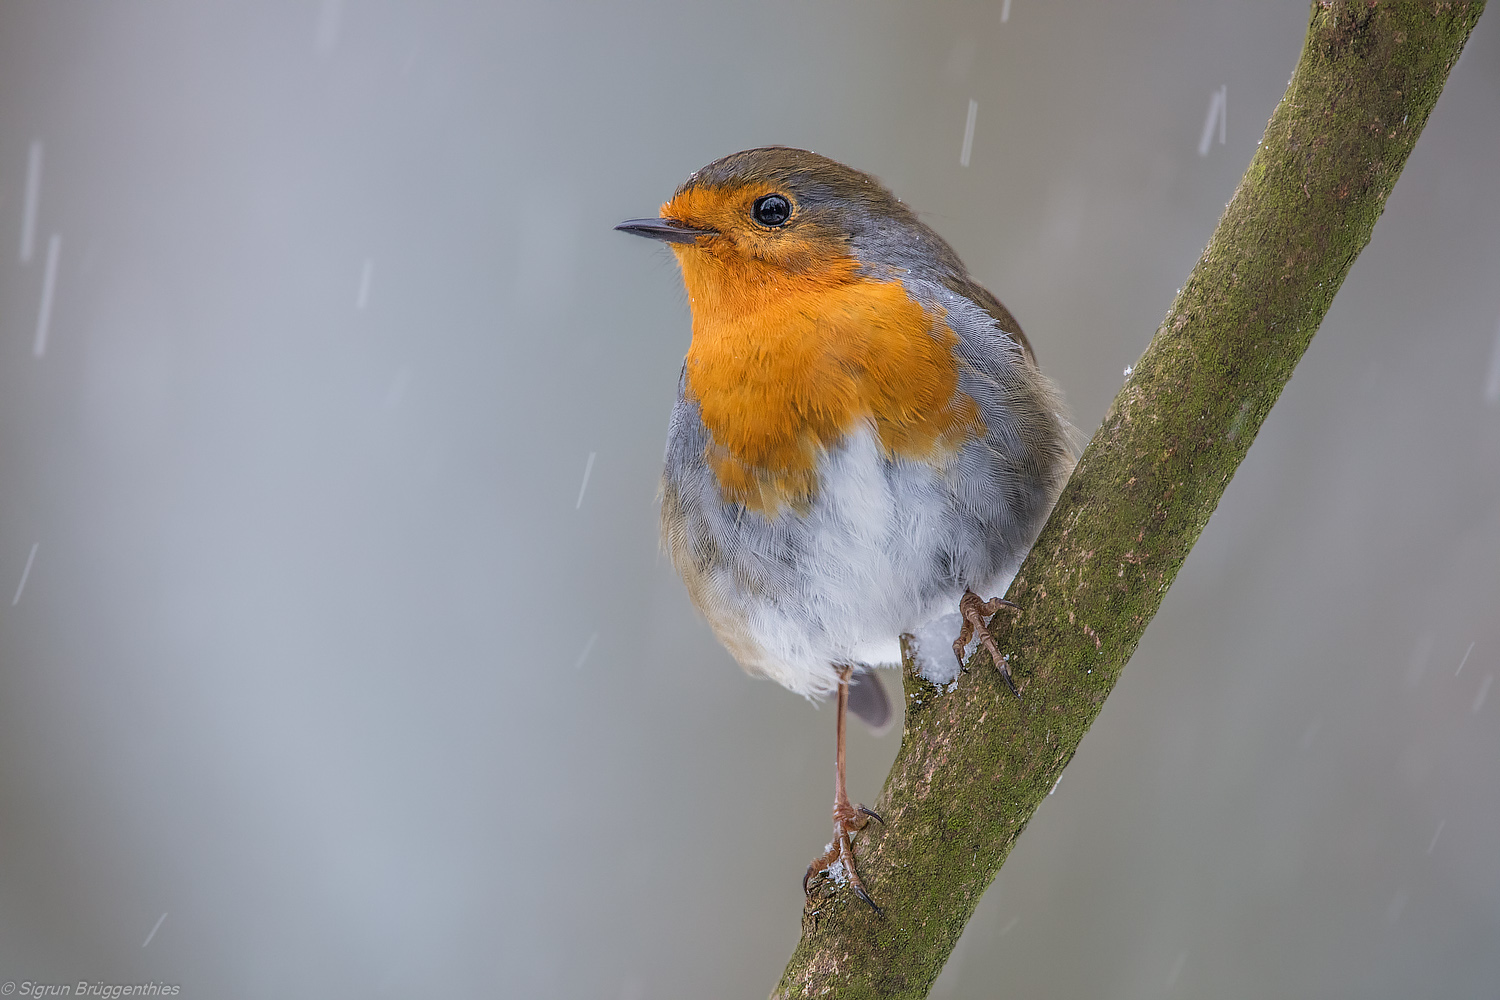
x=975, y=764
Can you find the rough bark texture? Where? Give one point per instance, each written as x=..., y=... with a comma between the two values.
x=974, y=764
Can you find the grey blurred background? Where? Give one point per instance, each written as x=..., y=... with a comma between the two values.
x=342, y=662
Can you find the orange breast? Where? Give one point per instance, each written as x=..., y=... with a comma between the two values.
x=784, y=365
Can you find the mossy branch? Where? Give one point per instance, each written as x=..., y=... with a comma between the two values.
x=974, y=764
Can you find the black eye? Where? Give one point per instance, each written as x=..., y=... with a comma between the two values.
x=772, y=210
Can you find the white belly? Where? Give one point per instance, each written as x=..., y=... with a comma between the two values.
x=871, y=559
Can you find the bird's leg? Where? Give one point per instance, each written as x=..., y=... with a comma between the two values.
x=974, y=612
x=848, y=819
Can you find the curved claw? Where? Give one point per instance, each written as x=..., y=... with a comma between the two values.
x=872, y=814
x=1010, y=682
x=859, y=891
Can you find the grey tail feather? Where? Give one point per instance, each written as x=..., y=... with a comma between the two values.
x=867, y=698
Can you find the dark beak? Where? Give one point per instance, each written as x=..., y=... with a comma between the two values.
x=667, y=230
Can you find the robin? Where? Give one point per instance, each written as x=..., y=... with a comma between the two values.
x=862, y=440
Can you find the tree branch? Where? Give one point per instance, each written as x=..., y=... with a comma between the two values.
x=974, y=764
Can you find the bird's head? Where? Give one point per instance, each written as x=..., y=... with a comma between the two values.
x=780, y=220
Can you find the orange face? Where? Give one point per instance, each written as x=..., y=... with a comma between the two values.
x=793, y=349
x=799, y=247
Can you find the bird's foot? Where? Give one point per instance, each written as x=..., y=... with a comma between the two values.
x=838, y=861
x=974, y=612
